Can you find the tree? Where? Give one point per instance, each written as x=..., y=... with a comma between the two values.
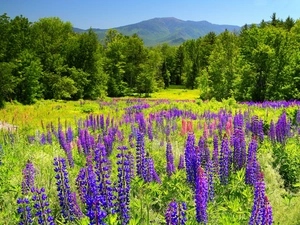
x=135, y=56
x=50, y=36
x=150, y=78
x=7, y=82
x=4, y=37
x=177, y=76
x=19, y=37
x=168, y=64
x=113, y=66
x=222, y=65
x=29, y=70
x=64, y=88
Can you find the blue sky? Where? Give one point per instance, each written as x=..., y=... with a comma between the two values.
x=114, y=13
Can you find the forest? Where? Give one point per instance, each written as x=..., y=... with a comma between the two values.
x=48, y=60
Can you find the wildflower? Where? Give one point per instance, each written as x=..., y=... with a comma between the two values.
x=28, y=178
x=239, y=149
x=123, y=187
x=261, y=210
x=140, y=154
x=215, y=156
x=252, y=165
x=102, y=171
x=190, y=159
x=41, y=206
x=170, y=160
x=175, y=214
x=181, y=162
x=224, y=161
x=201, y=196
x=63, y=189
x=24, y=210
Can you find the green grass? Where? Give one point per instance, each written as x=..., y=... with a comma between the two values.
x=233, y=203
x=177, y=92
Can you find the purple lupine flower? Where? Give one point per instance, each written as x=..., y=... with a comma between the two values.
x=63, y=189
x=272, y=134
x=123, y=187
x=79, y=148
x=190, y=159
x=81, y=184
x=201, y=196
x=171, y=214
x=261, y=130
x=77, y=210
x=102, y=122
x=107, y=121
x=131, y=161
x=49, y=137
x=140, y=154
x=261, y=210
x=102, y=169
x=204, y=153
x=239, y=149
x=175, y=214
x=88, y=180
x=140, y=119
x=168, y=130
x=215, y=156
x=267, y=212
x=24, y=210
x=238, y=121
x=68, y=150
x=248, y=127
x=30, y=139
x=69, y=135
x=41, y=206
x=28, y=178
x=82, y=141
x=224, y=161
x=170, y=160
x=252, y=165
x=174, y=126
x=162, y=143
x=148, y=172
x=120, y=135
x=280, y=128
x=66, y=146
x=43, y=139
x=181, y=162
x=156, y=176
x=181, y=213
x=298, y=117
x=108, y=143
x=130, y=139
x=150, y=131
x=210, y=173
x=61, y=136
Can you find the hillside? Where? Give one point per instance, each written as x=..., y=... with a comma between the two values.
x=167, y=30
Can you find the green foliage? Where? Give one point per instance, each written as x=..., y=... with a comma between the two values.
x=64, y=88
x=288, y=160
x=7, y=82
x=29, y=74
x=47, y=59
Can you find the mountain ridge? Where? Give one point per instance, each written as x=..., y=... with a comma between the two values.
x=167, y=30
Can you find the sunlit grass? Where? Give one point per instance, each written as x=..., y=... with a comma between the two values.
x=177, y=93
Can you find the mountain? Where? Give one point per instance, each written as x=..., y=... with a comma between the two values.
x=167, y=30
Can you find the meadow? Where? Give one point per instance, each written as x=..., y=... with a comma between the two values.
x=150, y=161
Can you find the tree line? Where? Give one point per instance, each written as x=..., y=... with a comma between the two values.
x=48, y=60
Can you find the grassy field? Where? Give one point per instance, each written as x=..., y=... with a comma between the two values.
x=163, y=124
x=176, y=92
